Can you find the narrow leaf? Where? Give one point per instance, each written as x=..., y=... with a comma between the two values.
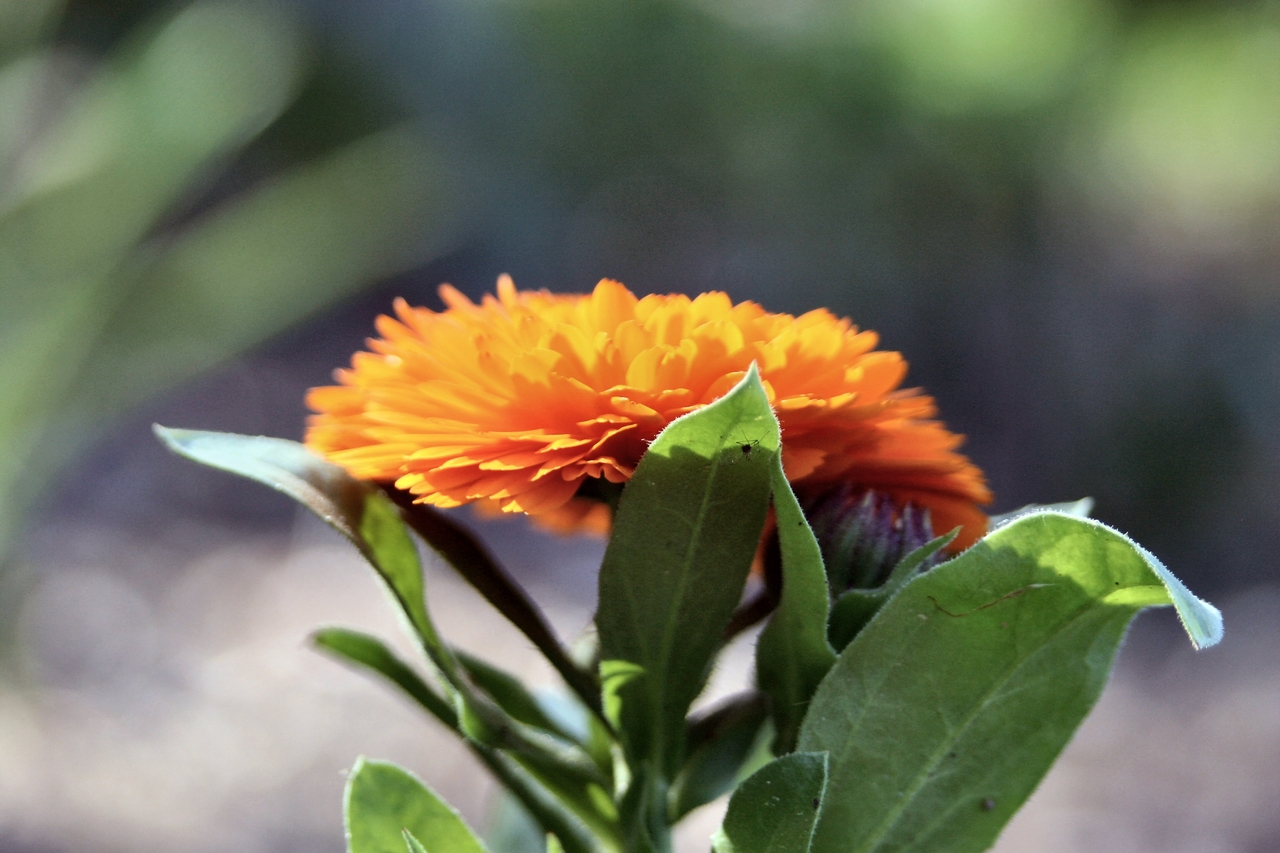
x=383, y=802
x=909, y=566
x=943, y=714
x=365, y=516
x=793, y=654
x=511, y=695
x=774, y=811
x=371, y=653
x=414, y=845
x=286, y=466
x=686, y=531
x=373, y=524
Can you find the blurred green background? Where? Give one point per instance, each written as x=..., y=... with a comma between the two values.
x=1064, y=212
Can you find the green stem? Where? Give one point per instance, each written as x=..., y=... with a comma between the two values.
x=462, y=550
x=552, y=815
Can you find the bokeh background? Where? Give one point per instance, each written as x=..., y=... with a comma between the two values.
x=1064, y=212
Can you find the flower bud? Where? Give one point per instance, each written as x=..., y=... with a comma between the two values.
x=864, y=534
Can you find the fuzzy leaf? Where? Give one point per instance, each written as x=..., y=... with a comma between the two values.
x=686, y=531
x=774, y=811
x=793, y=654
x=943, y=714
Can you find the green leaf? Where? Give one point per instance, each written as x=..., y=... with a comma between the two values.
x=373, y=524
x=286, y=466
x=414, y=845
x=363, y=515
x=587, y=799
x=686, y=531
x=793, y=654
x=774, y=811
x=722, y=746
x=511, y=695
x=370, y=653
x=943, y=714
x=383, y=802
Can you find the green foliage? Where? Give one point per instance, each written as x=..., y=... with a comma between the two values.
x=684, y=536
x=943, y=714
x=776, y=809
x=372, y=654
x=721, y=746
x=952, y=692
x=552, y=776
x=793, y=654
x=387, y=808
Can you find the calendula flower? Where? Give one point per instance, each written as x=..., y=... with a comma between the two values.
x=519, y=401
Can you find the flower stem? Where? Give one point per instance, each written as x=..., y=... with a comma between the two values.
x=462, y=550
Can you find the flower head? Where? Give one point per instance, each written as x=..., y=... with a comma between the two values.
x=517, y=401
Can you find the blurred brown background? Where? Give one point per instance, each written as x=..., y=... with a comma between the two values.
x=1064, y=212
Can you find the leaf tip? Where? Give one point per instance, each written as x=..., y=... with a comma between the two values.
x=1203, y=622
x=168, y=436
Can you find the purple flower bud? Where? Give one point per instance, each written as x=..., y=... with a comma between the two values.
x=863, y=534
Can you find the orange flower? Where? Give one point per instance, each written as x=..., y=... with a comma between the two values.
x=513, y=402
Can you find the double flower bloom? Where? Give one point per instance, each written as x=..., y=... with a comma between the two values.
x=515, y=402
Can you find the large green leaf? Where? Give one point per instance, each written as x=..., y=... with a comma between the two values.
x=383, y=801
x=774, y=811
x=943, y=714
x=686, y=530
x=793, y=654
